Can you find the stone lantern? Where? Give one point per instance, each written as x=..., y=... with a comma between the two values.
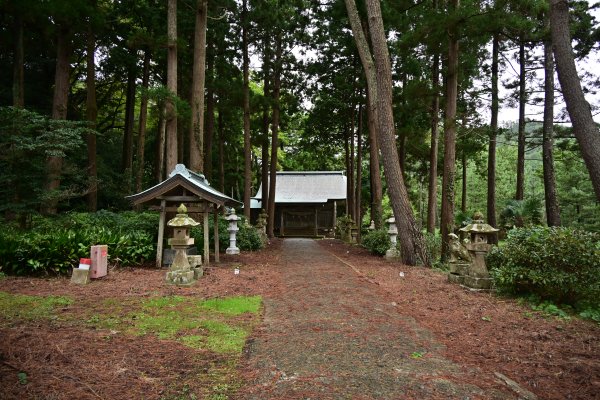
x=477, y=275
x=261, y=225
x=232, y=229
x=181, y=273
x=372, y=226
x=392, y=253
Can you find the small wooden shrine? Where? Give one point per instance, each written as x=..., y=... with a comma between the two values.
x=188, y=187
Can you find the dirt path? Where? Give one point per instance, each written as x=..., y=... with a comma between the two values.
x=332, y=334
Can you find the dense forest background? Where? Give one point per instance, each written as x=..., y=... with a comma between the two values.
x=100, y=98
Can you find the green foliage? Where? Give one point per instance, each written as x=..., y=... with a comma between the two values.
x=27, y=139
x=520, y=213
x=248, y=238
x=197, y=233
x=433, y=242
x=557, y=264
x=377, y=242
x=55, y=245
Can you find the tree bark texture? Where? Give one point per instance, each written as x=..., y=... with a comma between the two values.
x=265, y=130
x=584, y=127
x=552, y=208
x=221, y=129
x=491, y=173
x=171, y=113
x=196, y=134
x=18, y=89
x=375, y=177
x=449, y=176
x=520, y=192
x=209, y=132
x=141, y=142
x=246, y=106
x=161, y=142
x=412, y=245
x=91, y=110
x=433, y=152
x=59, y=111
x=358, y=193
x=274, y=134
x=127, y=160
x=463, y=198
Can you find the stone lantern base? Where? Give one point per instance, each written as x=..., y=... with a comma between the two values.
x=475, y=283
x=392, y=254
x=180, y=277
x=458, y=271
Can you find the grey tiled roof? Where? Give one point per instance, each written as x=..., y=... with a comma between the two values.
x=306, y=187
x=190, y=180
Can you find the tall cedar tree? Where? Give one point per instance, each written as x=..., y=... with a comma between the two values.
x=196, y=137
x=447, y=219
x=378, y=72
x=584, y=127
x=171, y=113
x=246, y=106
x=552, y=209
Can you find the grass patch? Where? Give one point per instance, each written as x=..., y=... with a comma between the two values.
x=19, y=306
x=233, y=305
x=223, y=338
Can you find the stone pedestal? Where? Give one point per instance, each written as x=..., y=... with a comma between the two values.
x=80, y=276
x=477, y=276
x=392, y=253
x=232, y=229
x=458, y=271
x=181, y=273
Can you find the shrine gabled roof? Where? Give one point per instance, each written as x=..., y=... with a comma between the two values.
x=306, y=187
x=196, y=184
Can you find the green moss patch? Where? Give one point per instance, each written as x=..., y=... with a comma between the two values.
x=233, y=305
x=19, y=306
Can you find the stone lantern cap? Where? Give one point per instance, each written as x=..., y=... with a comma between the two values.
x=232, y=216
x=182, y=220
x=478, y=226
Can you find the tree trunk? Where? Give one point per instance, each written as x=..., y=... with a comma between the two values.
x=221, y=129
x=161, y=142
x=127, y=161
x=358, y=195
x=59, y=111
x=380, y=83
x=520, y=194
x=275, y=134
x=584, y=127
x=141, y=143
x=350, y=166
x=491, y=175
x=348, y=171
x=552, y=208
x=448, y=179
x=375, y=177
x=246, y=105
x=18, y=89
x=433, y=152
x=91, y=109
x=196, y=139
x=463, y=199
x=265, y=130
x=210, y=118
x=171, y=113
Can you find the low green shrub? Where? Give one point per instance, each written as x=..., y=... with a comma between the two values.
x=557, y=264
x=197, y=233
x=58, y=250
x=248, y=238
x=433, y=243
x=377, y=242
